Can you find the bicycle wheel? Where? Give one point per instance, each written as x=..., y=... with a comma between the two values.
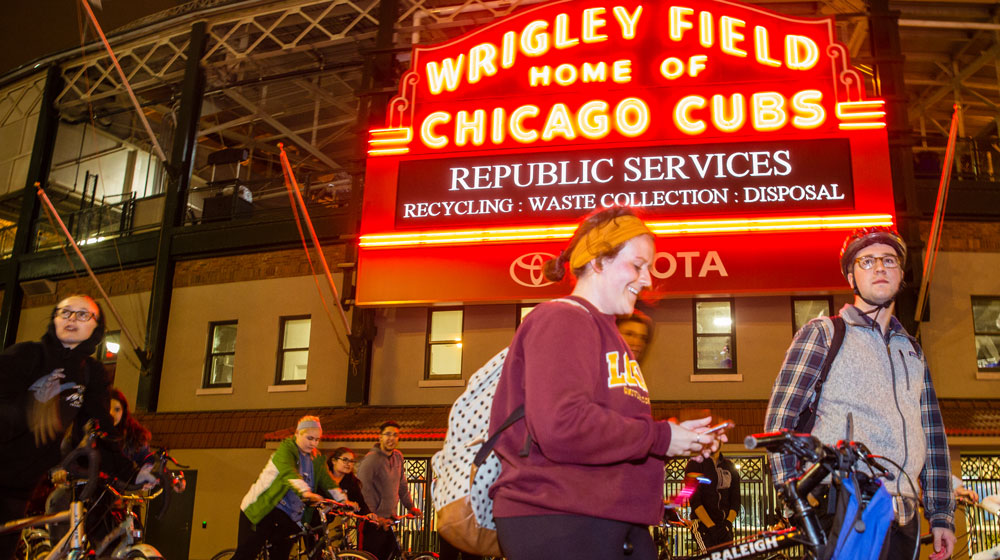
x=424, y=556
x=354, y=555
x=224, y=554
x=143, y=555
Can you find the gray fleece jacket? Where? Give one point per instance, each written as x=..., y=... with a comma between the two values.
x=881, y=385
x=383, y=481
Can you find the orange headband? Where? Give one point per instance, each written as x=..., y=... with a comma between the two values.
x=605, y=237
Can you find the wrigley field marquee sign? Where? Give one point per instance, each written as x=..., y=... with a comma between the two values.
x=742, y=135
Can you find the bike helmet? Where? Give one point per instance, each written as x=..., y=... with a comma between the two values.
x=863, y=237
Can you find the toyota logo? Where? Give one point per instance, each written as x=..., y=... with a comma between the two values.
x=526, y=270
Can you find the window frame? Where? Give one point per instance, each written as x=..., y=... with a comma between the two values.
x=983, y=373
x=282, y=321
x=428, y=343
x=828, y=299
x=518, y=312
x=207, y=374
x=730, y=371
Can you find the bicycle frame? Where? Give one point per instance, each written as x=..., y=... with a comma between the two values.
x=764, y=543
x=74, y=538
x=72, y=544
x=127, y=530
x=806, y=529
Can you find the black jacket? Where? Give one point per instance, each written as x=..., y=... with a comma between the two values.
x=33, y=373
x=352, y=486
x=717, y=499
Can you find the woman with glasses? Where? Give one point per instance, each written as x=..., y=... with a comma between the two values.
x=341, y=463
x=46, y=388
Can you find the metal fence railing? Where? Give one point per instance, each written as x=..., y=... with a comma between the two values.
x=419, y=534
x=980, y=473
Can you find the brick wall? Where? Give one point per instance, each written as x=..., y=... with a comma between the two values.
x=975, y=237
x=219, y=270
x=254, y=266
x=115, y=283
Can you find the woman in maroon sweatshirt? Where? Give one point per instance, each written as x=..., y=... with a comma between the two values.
x=590, y=482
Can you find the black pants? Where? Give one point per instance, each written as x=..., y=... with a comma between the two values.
x=451, y=552
x=715, y=535
x=380, y=542
x=276, y=528
x=903, y=539
x=573, y=537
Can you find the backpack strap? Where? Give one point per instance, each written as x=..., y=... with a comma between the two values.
x=484, y=451
x=515, y=415
x=807, y=418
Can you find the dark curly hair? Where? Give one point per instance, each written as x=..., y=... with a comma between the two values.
x=134, y=435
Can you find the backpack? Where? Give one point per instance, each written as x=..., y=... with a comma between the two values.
x=461, y=500
x=860, y=528
x=807, y=418
x=466, y=467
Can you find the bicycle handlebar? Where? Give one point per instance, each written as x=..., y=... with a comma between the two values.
x=811, y=449
x=168, y=478
x=804, y=446
x=87, y=449
x=843, y=458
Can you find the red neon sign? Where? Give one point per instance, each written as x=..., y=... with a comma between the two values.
x=594, y=72
x=742, y=134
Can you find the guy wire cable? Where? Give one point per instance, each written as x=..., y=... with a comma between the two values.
x=114, y=310
x=305, y=247
x=294, y=186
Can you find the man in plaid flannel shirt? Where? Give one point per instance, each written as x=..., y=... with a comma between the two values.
x=881, y=378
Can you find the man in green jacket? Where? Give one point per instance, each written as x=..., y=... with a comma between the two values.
x=275, y=504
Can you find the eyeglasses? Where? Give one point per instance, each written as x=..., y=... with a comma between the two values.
x=868, y=262
x=346, y=460
x=81, y=315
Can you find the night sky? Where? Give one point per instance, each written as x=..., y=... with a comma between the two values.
x=33, y=29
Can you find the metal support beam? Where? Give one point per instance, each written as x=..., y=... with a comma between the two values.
x=289, y=133
x=857, y=37
x=963, y=25
x=888, y=62
x=38, y=172
x=985, y=58
x=377, y=75
x=181, y=166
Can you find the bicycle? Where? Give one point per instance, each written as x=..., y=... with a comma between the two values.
x=989, y=505
x=75, y=544
x=312, y=542
x=662, y=538
x=806, y=531
x=408, y=554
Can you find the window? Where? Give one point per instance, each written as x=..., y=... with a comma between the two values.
x=522, y=311
x=221, y=354
x=714, y=338
x=293, y=350
x=108, y=353
x=444, y=344
x=807, y=309
x=986, y=321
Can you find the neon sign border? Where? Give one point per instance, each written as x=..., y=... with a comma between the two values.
x=660, y=228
